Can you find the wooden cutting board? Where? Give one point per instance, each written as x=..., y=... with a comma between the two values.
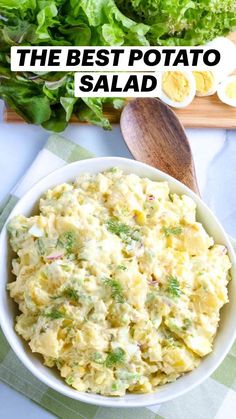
x=204, y=112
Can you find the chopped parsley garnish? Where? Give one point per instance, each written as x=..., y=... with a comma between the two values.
x=124, y=231
x=121, y=267
x=112, y=170
x=69, y=380
x=54, y=314
x=173, y=287
x=116, y=289
x=114, y=386
x=67, y=241
x=118, y=228
x=41, y=247
x=169, y=231
x=115, y=357
x=71, y=293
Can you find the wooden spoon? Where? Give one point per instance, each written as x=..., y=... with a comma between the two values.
x=155, y=136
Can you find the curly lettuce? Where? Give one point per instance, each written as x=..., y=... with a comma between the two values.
x=182, y=22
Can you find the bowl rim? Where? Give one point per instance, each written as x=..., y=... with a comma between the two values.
x=86, y=397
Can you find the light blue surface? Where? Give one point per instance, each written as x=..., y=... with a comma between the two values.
x=221, y=184
x=16, y=406
x=215, y=157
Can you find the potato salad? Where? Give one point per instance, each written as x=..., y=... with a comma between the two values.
x=118, y=285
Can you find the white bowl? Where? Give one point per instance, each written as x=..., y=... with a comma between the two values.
x=225, y=334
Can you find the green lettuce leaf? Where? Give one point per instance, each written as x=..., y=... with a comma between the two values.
x=185, y=22
x=46, y=19
x=91, y=110
x=27, y=100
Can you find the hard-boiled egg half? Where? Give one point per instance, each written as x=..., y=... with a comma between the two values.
x=227, y=91
x=177, y=88
x=206, y=83
x=228, y=51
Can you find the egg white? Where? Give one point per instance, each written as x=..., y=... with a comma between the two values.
x=192, y=84
x=229, y=50
x=222, y=94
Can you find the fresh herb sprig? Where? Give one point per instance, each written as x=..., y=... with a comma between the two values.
x=116, y=357
x=173, y=287
x=116, y=289
x=40, y=246
x=122, y=230
x=71, y=293
x=121, y=268
x=113, y=358
x=54, y=314
x=67, y=241
x=172, y=231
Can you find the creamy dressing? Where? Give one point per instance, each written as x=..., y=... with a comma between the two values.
x=118, y=285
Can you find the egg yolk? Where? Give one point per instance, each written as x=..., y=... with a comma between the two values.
x=175, y=85
x=204, y=81
x=231, y=90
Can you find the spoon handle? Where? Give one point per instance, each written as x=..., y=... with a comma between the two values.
x=155, y=136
